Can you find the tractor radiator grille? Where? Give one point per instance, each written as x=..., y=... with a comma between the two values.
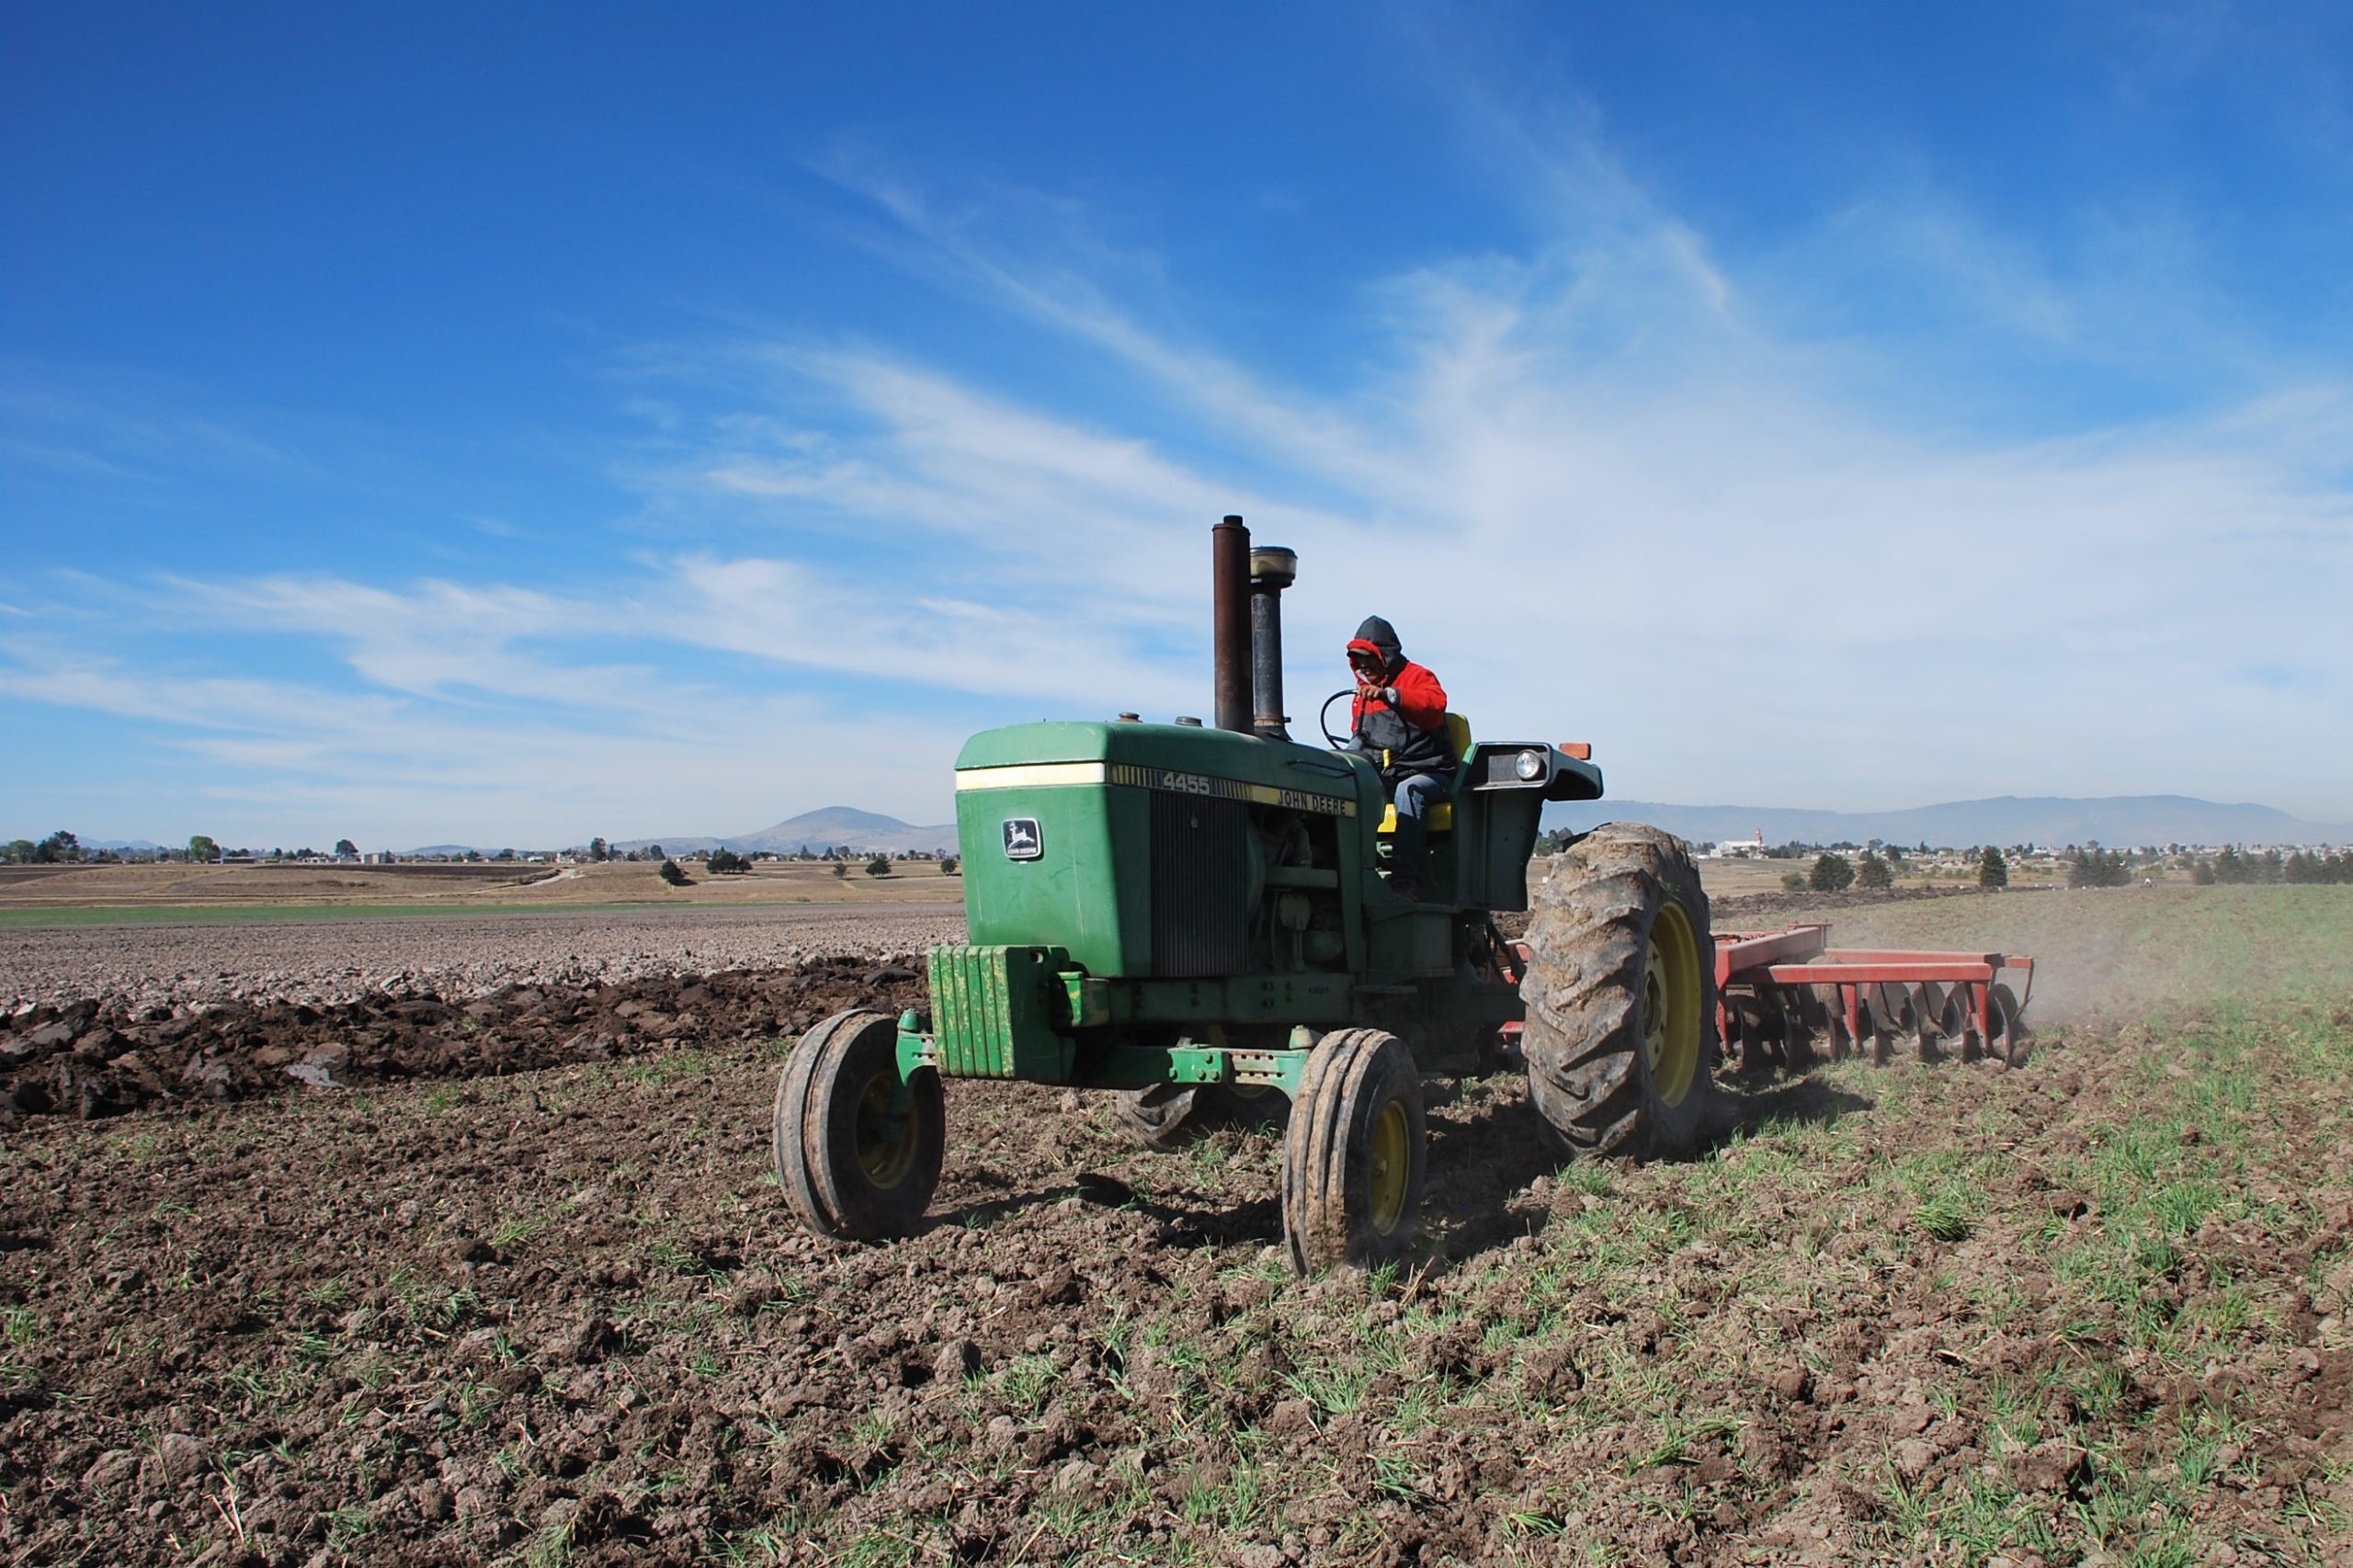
x=1200, y=872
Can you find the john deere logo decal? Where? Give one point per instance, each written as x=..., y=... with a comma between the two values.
x=1022, y=839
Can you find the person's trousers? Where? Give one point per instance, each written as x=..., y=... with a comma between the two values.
x=1413, y=797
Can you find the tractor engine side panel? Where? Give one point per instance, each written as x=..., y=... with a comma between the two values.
x=1042, y=866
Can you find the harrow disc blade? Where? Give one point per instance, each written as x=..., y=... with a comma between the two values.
x=1806, y=1036
x=2007, y=1041
x=1940, y=1014
x=1887, y=1015
x=1830, y=1002
x=1754, y=1023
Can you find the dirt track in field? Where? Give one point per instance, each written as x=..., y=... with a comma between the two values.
x=508, y=1278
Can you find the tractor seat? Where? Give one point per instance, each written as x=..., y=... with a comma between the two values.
x=1441, y=820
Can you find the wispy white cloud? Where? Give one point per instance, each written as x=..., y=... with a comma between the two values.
x=1605, y=448
x=268, y=761
x=107, y=428
x=41, y=672
x=443, y=640
x=959, y=248
x=786, y=611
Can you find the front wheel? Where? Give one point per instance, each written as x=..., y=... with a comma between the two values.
x=1620, y=995
x=857, y=1152
x=1355, y=1152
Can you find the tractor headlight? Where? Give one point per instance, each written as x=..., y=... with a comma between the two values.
x=1530, y=765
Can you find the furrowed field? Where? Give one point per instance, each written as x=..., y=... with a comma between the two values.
x=507, y=1278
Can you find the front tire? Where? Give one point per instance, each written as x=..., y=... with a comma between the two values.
x=857, y=1159
x=1620, y=996
x=1355, y=1153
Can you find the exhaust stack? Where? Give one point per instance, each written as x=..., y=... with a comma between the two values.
x=1230, y=632
x=1272, y=569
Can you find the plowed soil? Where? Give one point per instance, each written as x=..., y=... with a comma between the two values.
x=507, y=1278
x=92, y=1058
x=314, y=959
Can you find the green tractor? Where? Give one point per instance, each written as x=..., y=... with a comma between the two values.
x=1196, y=919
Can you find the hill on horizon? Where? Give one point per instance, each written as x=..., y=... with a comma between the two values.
x=2118, y=821
x=865, y=833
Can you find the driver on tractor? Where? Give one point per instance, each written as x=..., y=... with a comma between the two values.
x=1399, y=721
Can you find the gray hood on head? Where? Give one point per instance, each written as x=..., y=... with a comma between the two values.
x=1382, y=637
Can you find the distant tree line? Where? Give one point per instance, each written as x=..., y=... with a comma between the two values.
x=58, y=849
x=62, y=849
x=2234, y=867
x=2096, y=868
x=729, y=860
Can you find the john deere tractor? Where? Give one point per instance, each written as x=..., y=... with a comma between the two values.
x=1196, y=919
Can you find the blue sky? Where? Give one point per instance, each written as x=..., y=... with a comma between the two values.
x=518, y=423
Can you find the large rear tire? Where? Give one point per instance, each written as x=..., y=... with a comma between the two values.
x=856, y=1157
x=1620, y=996
x=1355, y=1153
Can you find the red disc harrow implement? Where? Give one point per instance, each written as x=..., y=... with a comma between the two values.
x=1785, y=997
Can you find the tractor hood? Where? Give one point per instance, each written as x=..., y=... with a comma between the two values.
x=1182, y=759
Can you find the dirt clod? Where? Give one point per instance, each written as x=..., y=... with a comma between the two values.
x=182, y=1455
x=1551, y=1374
x=579, y=1343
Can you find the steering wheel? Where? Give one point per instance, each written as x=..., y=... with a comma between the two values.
x=1324, y=718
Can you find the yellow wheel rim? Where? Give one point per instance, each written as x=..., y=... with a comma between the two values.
x=1393, y=1159
x=883, y=1142
x=1671, y=1004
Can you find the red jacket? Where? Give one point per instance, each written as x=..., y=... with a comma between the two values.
x=1407, y=736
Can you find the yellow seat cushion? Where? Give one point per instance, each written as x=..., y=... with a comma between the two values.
x=1441, y=817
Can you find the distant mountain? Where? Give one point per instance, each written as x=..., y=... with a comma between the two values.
x=2115, y=820
x=865, y=833
x=859, y=830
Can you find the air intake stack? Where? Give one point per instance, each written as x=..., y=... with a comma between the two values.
x=1272, y=569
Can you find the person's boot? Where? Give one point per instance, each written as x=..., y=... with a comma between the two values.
x=1405, y=853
